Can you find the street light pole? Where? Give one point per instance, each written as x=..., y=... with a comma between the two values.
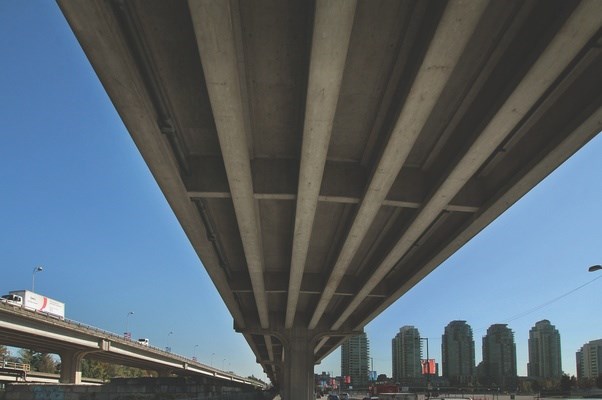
x=428, y=368
x=128, y=334
x=167, y=348
x=33, y=277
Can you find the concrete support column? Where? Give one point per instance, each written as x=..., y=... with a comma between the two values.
x=71, y=366
x=298, y=376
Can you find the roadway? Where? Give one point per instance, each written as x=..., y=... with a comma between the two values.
x=73, y=341
x=41, y=377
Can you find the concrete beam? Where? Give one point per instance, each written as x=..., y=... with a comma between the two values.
x=221, y=59
x=455, y=29
x=342, y=182
x=563, y=49
x=99, y=33
x=312, y=284
x=333, y=22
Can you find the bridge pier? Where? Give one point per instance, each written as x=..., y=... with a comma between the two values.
x=71, y=366
x=71, y=362
x=298, y=382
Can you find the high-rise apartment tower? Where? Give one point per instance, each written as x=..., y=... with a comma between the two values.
x=589, y=360
x=544, y=351
x=499, y=357
x=355, y=357
x=406, y=354
x=457, y=352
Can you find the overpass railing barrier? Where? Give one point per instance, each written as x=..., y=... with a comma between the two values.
x=15, y=366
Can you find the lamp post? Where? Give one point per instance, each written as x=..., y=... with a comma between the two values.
x=127, y=335
x=194, y=355
x=594, y=268
x=167, y=348
x=212, y=355
x=33, y=277
x=428, y=367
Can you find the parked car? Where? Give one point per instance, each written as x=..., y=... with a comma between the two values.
x=344, y=396
x=333, y=397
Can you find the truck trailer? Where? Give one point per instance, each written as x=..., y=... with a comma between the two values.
x=35, y=302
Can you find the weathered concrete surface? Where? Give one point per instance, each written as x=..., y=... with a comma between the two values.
x=131, y=389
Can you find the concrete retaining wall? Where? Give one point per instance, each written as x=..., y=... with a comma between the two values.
x=131, y=389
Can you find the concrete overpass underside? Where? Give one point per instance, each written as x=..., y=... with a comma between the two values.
x=325, y=156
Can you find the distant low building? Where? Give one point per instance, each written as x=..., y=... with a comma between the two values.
x=589, y=360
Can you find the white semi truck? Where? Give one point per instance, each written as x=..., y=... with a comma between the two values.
x=35, y=302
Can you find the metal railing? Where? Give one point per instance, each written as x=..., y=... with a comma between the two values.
x=14, y=366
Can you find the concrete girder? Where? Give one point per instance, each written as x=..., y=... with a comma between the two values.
x=455, y=29
x=221, y=60
x=269, y=347
x=275, y=282
x=333, y=23
x=342, y=182
x=565, y=46
x=112, y=58
x=573, y=142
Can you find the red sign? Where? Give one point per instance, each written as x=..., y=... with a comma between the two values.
x=347, y=379
x=428, y=366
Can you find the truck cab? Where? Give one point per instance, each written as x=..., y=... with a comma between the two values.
x=13, y=299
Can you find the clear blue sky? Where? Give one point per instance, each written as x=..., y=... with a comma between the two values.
x=77, y=198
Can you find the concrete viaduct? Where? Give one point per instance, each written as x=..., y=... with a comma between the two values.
x=73, y=341
x=324, y=156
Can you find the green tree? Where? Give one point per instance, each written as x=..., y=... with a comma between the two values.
x=105, y=371
x=94, y=369
x=46, y=363
x=41, y=362
x=565, y=382
x=585, y=383
x=4, y=354
x=26, y=356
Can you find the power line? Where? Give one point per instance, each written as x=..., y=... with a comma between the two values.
x=543, y=305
